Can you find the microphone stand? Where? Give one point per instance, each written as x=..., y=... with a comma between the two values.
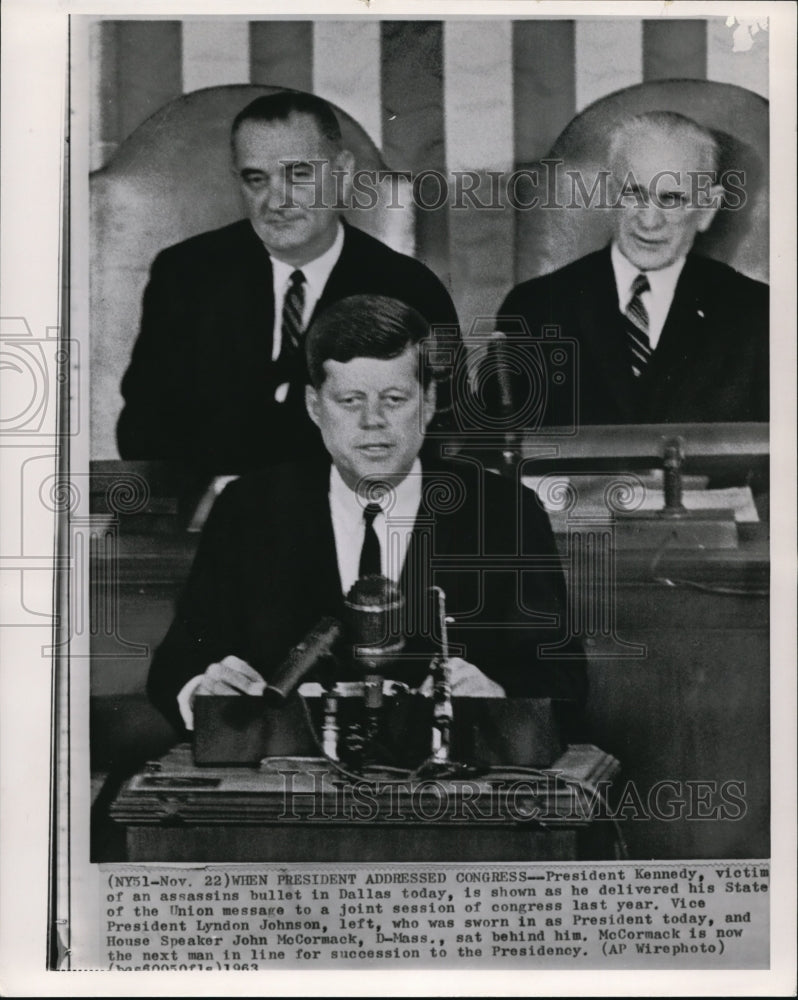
x=511, y=447
x=372, y=698
x=442, y=713
x=329, y=731
x=440, y=764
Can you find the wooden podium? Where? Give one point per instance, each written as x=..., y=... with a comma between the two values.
x=300, y=809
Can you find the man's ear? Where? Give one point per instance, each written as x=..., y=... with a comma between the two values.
x=312, y=404
x=430, y=402
x=345, y=162
x=707, y=215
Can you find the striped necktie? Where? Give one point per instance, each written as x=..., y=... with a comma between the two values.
x=637, y=325
x=293, y=309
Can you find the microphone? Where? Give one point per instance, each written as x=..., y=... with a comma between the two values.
x=316, y=647
x=374, y=616
x=511, y=452
x=374, y=619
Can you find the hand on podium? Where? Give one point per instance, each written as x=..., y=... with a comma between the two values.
x=232, y=676
x=467, y=681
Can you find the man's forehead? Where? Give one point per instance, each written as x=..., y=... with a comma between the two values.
x=650, y=155
x=290, y=136
x=373, y=372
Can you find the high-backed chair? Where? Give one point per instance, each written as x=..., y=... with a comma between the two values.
x=547, y=239
x=171, y=179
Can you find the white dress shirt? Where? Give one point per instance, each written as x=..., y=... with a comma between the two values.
x=657, y=300
x=317, y=273
x=393, y=526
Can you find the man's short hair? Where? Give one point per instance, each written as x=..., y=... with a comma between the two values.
x=364, y=326
x=280, y=106
x=673, y=126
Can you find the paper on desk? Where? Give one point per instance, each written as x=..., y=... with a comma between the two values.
x=648, y=494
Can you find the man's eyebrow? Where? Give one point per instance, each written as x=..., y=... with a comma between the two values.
x=676, y=196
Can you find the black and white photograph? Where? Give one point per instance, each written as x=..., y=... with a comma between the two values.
x=391, y=497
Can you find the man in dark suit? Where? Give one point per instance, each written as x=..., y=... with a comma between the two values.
x=282, y=548
x=217, y=374
x=662, y=334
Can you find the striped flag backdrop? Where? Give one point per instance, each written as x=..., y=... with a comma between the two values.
x=459, y=94
x=517, y=82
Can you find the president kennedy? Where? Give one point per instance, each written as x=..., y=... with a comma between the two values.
x=282, y=548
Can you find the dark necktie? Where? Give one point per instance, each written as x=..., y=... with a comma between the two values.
x=370, y=554
x=293, y=309
x=637, y=325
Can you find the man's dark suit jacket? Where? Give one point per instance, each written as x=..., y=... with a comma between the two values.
x=710, y=364
x=266, y=571
x=201, y=382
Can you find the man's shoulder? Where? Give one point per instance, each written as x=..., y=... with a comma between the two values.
x=457, y=483
x=212, y=244
x=566, y=279
x=474, y=508
x=369, y=266
x=279, y=485
x=713, y=273
x=373, y=254
x=359, y=240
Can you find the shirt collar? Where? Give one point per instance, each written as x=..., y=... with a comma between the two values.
x=402, y=502
x=316, y=271
x=662, y=282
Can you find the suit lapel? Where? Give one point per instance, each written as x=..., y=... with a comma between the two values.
x=251, y=287
x=292, y=578
x=601, y=329
x=347, y=277
x=681, y=336
x=431, y=535
x=443, y=528
x=320, y=538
